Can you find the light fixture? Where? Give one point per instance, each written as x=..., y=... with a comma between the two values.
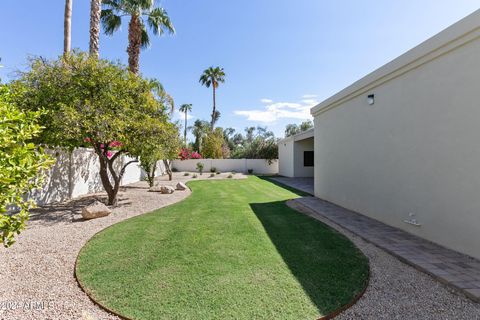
x=371, y=99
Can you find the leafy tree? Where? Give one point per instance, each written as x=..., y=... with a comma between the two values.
x=164, y=146
x=259, y=144
x=95, y=16
x=200, y=129
x=93, y=102
x=185, y=108
x=142, y=13
x=22, y=164
x=213, y=77
x=212, y=148
x=293, y=129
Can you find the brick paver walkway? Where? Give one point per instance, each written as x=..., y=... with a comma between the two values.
x=302, y=184
x=450, y=267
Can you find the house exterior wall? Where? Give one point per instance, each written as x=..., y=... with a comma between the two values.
x=285, y=158
x=417, y=149
x=299, y=147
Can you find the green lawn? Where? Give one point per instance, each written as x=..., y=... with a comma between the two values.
x=232, y=250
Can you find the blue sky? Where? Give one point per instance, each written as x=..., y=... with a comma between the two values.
x=280, y=57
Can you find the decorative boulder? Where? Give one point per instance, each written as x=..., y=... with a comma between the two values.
x=181, y=186
x=155, y=189
x=167, y=189
x=95, y=210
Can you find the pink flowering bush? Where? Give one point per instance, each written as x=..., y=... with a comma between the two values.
x=186, y=154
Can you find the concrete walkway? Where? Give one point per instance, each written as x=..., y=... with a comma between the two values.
x=450, y=267
x=302, y=184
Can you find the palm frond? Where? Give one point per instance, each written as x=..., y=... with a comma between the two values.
x=110, y=21
x=145, y=38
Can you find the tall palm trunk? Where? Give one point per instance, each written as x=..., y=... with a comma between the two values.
x=214, y=107
x=67, y=27
x=95, y=13
x=134, y=43
x=185, y=131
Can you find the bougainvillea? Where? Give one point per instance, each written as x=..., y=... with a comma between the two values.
x=186, y=154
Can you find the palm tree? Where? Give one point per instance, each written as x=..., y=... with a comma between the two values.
x=185, y=108
x=162, y=95
x=213, y=77
x=156, y=19
x=199, y=129
x=67, y=27
x=95, y=14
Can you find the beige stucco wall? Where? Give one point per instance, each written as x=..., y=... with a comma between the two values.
x=299, y=147
x=417, y=149
x=285, y=158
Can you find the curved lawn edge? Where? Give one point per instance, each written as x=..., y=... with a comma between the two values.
x=79, y=283
x=355, y=299
x=331, y=315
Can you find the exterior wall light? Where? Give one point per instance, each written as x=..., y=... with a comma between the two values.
x=371, y=99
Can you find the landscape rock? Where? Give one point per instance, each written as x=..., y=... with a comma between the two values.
x=95, y=210
x=181, y=186
x=156, y=188
x=167, y=189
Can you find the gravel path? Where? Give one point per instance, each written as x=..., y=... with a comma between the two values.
x=36, y=273
x=398, y=291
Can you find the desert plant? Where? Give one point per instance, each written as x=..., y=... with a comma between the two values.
x=213, y=169
x=174, y=169
x=250, y=171
x=230, y=176
x=186, y=174
x=218, y=172
x=212, y=175
x=200, y=167
x=194, y=176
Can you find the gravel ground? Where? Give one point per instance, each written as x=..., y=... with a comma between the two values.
x=399, y=291
x=36, y=273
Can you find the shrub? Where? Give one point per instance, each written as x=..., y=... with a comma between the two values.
x=212, y=175
x=230, y=176
x=194, y=176
x=212, y=146
x=200, y=167
x=186, y=154
x=174, y=169
x=234, y=172
x=218, y=172
x=213, y=169
x=22, y=164
x=250, y=171
x=186, y=174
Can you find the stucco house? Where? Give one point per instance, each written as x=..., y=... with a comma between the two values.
x=296, y=155
x=402, y=145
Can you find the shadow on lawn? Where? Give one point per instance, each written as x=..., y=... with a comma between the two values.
x=324, y=262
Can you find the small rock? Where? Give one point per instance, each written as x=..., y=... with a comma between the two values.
x=95, y=210
x=156, y=188
x=181, y=186
x=167, y=189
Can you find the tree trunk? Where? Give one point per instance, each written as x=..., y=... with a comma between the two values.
x=134, y=43
x=185, y=131
x=169, y=170
x=67, y=27
x=214, y=107
x=95, y=12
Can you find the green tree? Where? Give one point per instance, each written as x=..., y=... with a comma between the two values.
x=185, y=108
x=200, y=129
x=142, y=13
x=165, y=146
x=22, y=164
x=95, y=103
x=212, y=147
x=213, y=77
x=259, y=144
x=293, y=129
x=95, y=15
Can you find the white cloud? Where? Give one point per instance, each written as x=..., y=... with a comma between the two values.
x=181, y=116
x=274, y=111
x=266, y=101
x=309, y=96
